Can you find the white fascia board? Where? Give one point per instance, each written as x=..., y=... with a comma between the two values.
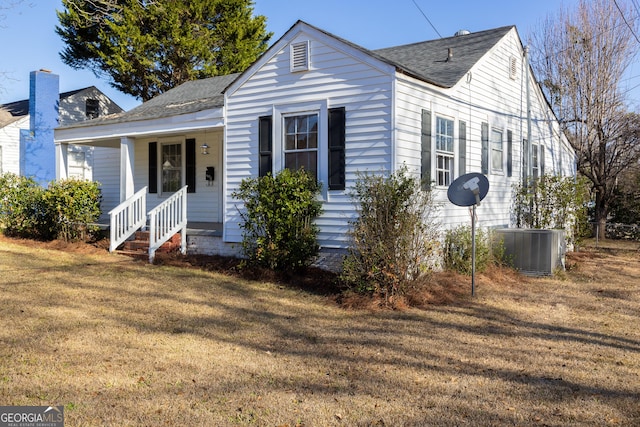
x=199, y=120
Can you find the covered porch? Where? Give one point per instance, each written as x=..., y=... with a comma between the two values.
x=160, y=165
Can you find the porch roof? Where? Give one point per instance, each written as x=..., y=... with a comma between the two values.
x=190, y=97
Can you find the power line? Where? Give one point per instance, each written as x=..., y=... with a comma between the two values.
x=625, y=21
x=428, y=20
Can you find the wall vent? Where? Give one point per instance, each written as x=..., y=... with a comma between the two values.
x=300, y=56
x=533, y=252
x=513, y=68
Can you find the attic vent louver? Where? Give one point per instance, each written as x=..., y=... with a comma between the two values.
x=513, y=68
x=300, y=56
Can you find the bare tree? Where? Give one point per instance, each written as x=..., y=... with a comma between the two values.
x=580, y=57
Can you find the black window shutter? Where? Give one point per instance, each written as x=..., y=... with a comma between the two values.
x=425, y=143
x=265, y=145
x=541, y=159
x=485, y=148
x=462, y=148
x=337, y=123
x=190, y=178
x=153, y=167
x=509, y=153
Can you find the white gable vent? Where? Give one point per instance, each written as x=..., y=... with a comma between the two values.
x=513, y=68
x=300, y=56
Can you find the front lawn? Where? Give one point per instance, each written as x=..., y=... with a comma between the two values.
x=119, y=342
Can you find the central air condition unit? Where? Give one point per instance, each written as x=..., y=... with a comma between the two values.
x=533, y=252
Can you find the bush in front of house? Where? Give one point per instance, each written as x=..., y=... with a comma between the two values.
x=278, y=226
x=65, y=210
x=394, y=237
x=458, y=250
x=22, y=211
x=73, y=208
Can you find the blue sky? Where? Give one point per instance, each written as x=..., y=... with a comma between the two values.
x=28, y=41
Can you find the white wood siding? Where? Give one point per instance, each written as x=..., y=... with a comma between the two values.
x=106, y=171
x=488, y=95
x=10, y=143
x=339, y=76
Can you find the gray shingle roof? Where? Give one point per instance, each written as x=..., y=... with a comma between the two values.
x=189, y=97
x=429, y=60
x=425, y=60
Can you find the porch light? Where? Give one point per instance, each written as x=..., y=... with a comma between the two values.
x=204, y=148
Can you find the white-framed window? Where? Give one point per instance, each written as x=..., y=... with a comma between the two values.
x=444, y=151
x=171, y=167
x=497, y=151
x=311, y=130
x=301, y=142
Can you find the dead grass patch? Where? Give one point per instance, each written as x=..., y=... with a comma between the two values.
x=123, y=343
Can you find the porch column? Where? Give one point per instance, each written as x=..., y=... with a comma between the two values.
x=126, y=168
x=62, y=161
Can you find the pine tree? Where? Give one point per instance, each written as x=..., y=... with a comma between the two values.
x=146, y=47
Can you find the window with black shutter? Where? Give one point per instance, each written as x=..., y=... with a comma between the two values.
x=425, y=151
x=336, y=140
x=190, y=172
x=153, y=167
x=265, y=145
x=485, y=148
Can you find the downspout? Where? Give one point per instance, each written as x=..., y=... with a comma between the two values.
x=529, y=142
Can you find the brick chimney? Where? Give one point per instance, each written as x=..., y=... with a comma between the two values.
x=37, y=147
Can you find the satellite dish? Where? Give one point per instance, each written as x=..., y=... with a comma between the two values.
x=468, y=189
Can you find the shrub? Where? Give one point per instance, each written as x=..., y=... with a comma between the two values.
x=22, y=213
x=553, y=202
x=73, y=207
x=64, y=210
x=277, y=221
x=458, y=250
x=393, y=237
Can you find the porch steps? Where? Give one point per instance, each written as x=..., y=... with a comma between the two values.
x=138, y=247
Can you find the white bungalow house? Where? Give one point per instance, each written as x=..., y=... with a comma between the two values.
x=443, y=108
x=27, y=126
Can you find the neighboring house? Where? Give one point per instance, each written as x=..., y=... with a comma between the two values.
x=26, y=128
x=442, y=108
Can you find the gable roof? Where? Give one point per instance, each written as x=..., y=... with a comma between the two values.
x=426, y=61
x=430, y=61
x=16, y=110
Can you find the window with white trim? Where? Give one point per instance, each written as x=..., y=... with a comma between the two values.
x=171, y=164
x=301, y=143
x=444, y=151
x=497, y=150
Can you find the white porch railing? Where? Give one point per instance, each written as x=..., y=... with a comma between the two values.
x=167, y=219
x=126, y=218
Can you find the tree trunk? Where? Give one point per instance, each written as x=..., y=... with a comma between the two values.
x=601, y=212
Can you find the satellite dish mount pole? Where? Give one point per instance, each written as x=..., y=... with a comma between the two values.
x=468, y=190
x=473, y=250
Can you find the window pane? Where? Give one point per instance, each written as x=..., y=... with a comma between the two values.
x=301, y=142
x=444, y=134
x=496, y=151
x=290, y=143
x=171, y=167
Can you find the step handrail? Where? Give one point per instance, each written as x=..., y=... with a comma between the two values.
x=127, y=218
x=167, y=219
